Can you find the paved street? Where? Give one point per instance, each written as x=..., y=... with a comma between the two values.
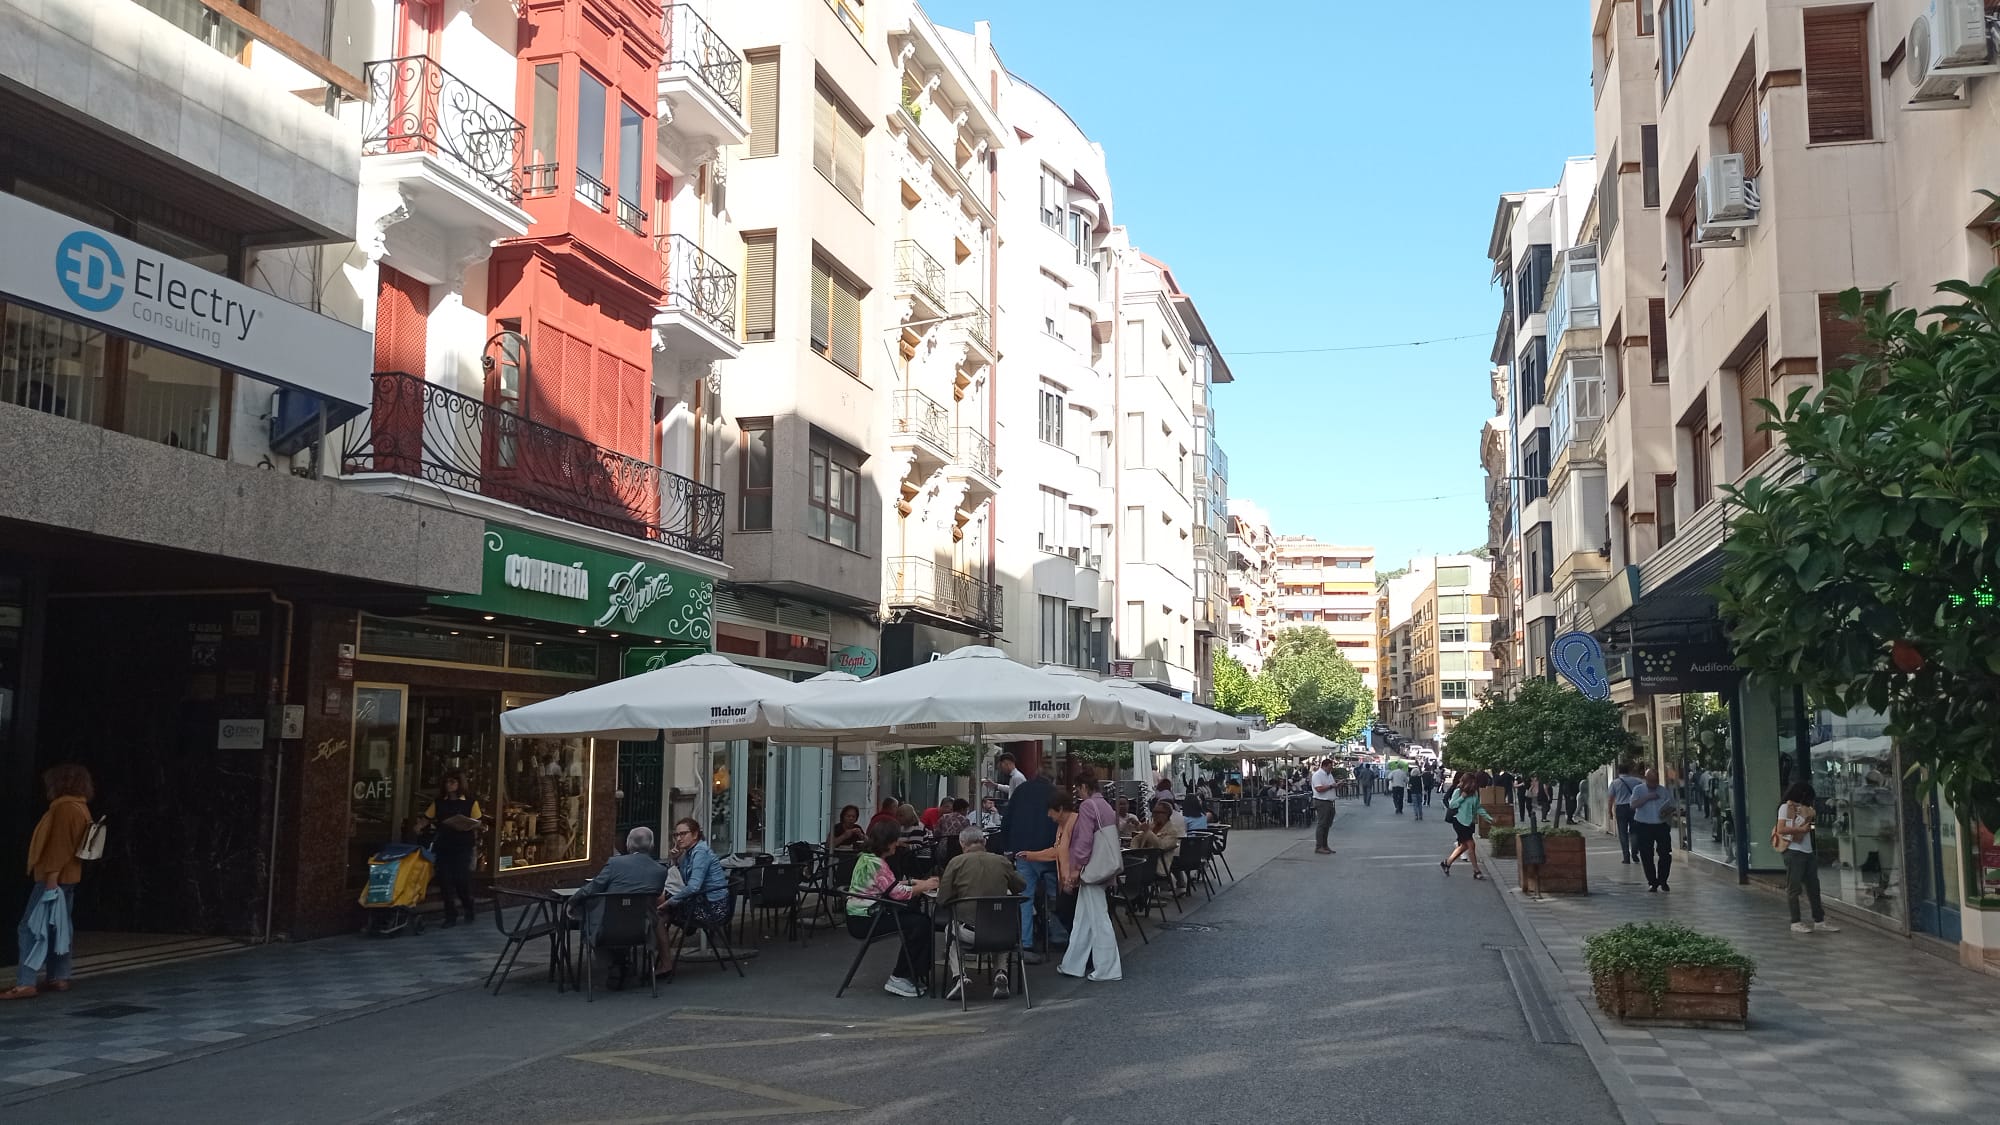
x=1365, y=987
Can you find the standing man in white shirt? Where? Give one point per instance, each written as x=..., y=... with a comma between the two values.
x=1399, y=784
x=1323, y=786
x=1012, y=775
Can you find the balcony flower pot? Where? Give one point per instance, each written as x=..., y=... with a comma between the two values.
x=1664, y=974
x=1503, y=842
x=1562, y=870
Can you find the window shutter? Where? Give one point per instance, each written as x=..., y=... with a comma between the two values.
x=847, y=157
x=1753, y=381
x=1838, y=91
x=402, y=320
x=823, y=117
x=574, y=411
x=760, y=285
x=822, y=314
x=1838, y=338
x=764, y=104
x=845, y=343
x=1743, y=132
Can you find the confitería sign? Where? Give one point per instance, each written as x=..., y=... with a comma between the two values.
x=533, y=576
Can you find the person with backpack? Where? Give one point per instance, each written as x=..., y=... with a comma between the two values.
x=55, y=863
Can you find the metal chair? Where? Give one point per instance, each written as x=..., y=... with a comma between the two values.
x=1191, y=863
x=1218, y=845
x=535, y=917
x=884, y=908
x=1133, y=892
x=996, y=932
x=717, y=933
x=777, y=893
x=625, y=922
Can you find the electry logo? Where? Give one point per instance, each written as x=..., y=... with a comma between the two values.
x=89, y=271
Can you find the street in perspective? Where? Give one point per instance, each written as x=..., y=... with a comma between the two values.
x=621, y=561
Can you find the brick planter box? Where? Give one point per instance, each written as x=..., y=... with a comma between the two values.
x=1695, y=997
x=1563, y=874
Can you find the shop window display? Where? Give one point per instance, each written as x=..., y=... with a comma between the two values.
x=545, y=803
x=1694, y=730
x=1860, y=846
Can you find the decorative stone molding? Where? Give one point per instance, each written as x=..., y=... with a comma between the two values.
x=382, y=207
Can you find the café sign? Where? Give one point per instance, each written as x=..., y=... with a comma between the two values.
x=80, y=272
x=854, y=660
x=544, y=579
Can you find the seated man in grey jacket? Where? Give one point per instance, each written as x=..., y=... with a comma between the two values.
x=634, y=873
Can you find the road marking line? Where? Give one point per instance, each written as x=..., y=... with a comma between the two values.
x=788, y=1102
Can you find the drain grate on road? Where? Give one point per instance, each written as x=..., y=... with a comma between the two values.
x=1185, y=927
x=112, y=1011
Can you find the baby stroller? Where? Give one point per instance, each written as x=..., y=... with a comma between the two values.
x=399, y=876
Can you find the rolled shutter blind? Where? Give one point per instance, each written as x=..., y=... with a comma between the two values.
x=846, y=341
x=760, y=285
x=1837, y=87
x=847, y=157
x=1753, y=382
x=402, y=321
x=823, y=116
x=764, y=104
x=1743, y=132
x=1838, y=338
x=822, y=314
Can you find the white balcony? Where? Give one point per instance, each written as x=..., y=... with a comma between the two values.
x=697, y=317
x=440, y=169
x=700, y=92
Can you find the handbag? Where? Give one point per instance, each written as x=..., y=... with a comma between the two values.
x=1107, y=858
x=1780, y=841
x=92, y=846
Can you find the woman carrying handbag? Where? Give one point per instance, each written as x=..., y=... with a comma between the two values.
x=1098, y=858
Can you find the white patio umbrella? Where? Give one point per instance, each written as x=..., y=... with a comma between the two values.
x=682, y=701
x=1201, y=722
x=969, y=694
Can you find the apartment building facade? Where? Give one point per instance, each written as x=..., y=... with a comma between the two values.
x=1252, y=584
x=1058, y=427
x=1787, y=151
x=1331, y=587
x=176, y=359
x=1448, y=654
x=1397, y=688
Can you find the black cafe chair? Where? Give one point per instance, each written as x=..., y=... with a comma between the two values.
x=1218, y=844
x=534, y=917
x=776, y=895
x=1132, y=892
x=625, y=923
x=996, y=934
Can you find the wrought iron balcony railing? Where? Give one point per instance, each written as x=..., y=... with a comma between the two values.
x=918, y=273
x=973, y=317
x=415, y=105
x=918, y=583
x=692, y=44
x=697, y=284
x=975, y=452
x=591, y=190
x=631, y=216
x=422, y=430
x=920, y=415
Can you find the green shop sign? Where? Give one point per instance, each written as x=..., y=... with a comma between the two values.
x=652, y=658
x=543, y=579
x=854, y=660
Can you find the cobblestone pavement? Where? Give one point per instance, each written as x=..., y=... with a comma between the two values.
x=1856, y=1026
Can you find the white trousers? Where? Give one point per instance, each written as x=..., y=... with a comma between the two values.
x=1091, y=938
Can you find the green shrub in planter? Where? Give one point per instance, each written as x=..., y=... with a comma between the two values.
x=1502, y=840
x=1560, y=832
x=1650, y=951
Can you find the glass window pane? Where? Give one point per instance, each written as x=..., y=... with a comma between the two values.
x=543, y=141
x=52, y=365
x=757, y=458
x=631, y=153
x=590, y=127
x=173, y=400
x=419, y=640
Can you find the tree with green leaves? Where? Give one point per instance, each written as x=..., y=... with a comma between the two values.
x=1321, y=690
x=1237, y=692
x=1868, y=573
x=1546, y=730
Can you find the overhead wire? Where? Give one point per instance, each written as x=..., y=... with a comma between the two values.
x=1360, y=347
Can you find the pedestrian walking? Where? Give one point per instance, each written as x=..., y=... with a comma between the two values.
x=1622, y=789
x=456, y=816
x=1416, y=794
x=1653, y=806
x=1793, y=836
x=1095, y=862
x=56, y=868
x=1028, y=830
x=1323, y=791
x=1570, y=788
x=1399, y=784
x=1365, y=774
x=1463, y=810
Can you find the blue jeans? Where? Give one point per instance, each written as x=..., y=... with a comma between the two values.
x=1043, y=874
x=57, y=967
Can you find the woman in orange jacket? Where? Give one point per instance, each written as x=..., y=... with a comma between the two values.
x=53, y=864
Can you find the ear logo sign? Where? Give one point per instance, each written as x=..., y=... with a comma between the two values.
x=1581, y=661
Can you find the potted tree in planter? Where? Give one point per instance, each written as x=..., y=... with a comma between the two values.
x=1665, y=974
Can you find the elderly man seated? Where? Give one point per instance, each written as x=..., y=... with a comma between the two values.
x=634, y=873
x=975, y=873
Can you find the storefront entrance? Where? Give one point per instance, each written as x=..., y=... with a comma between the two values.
x=760, y=797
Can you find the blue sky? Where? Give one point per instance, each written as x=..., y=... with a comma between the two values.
x=1316, y=178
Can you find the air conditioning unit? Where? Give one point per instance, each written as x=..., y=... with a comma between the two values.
x=1725, y=201
x=1948, y=45
x=1094, y=560
x=1075, y=553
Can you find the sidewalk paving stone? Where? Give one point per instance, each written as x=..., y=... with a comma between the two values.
x=1856, y=1026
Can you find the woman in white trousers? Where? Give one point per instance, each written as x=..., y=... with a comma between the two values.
x=1093, y=945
